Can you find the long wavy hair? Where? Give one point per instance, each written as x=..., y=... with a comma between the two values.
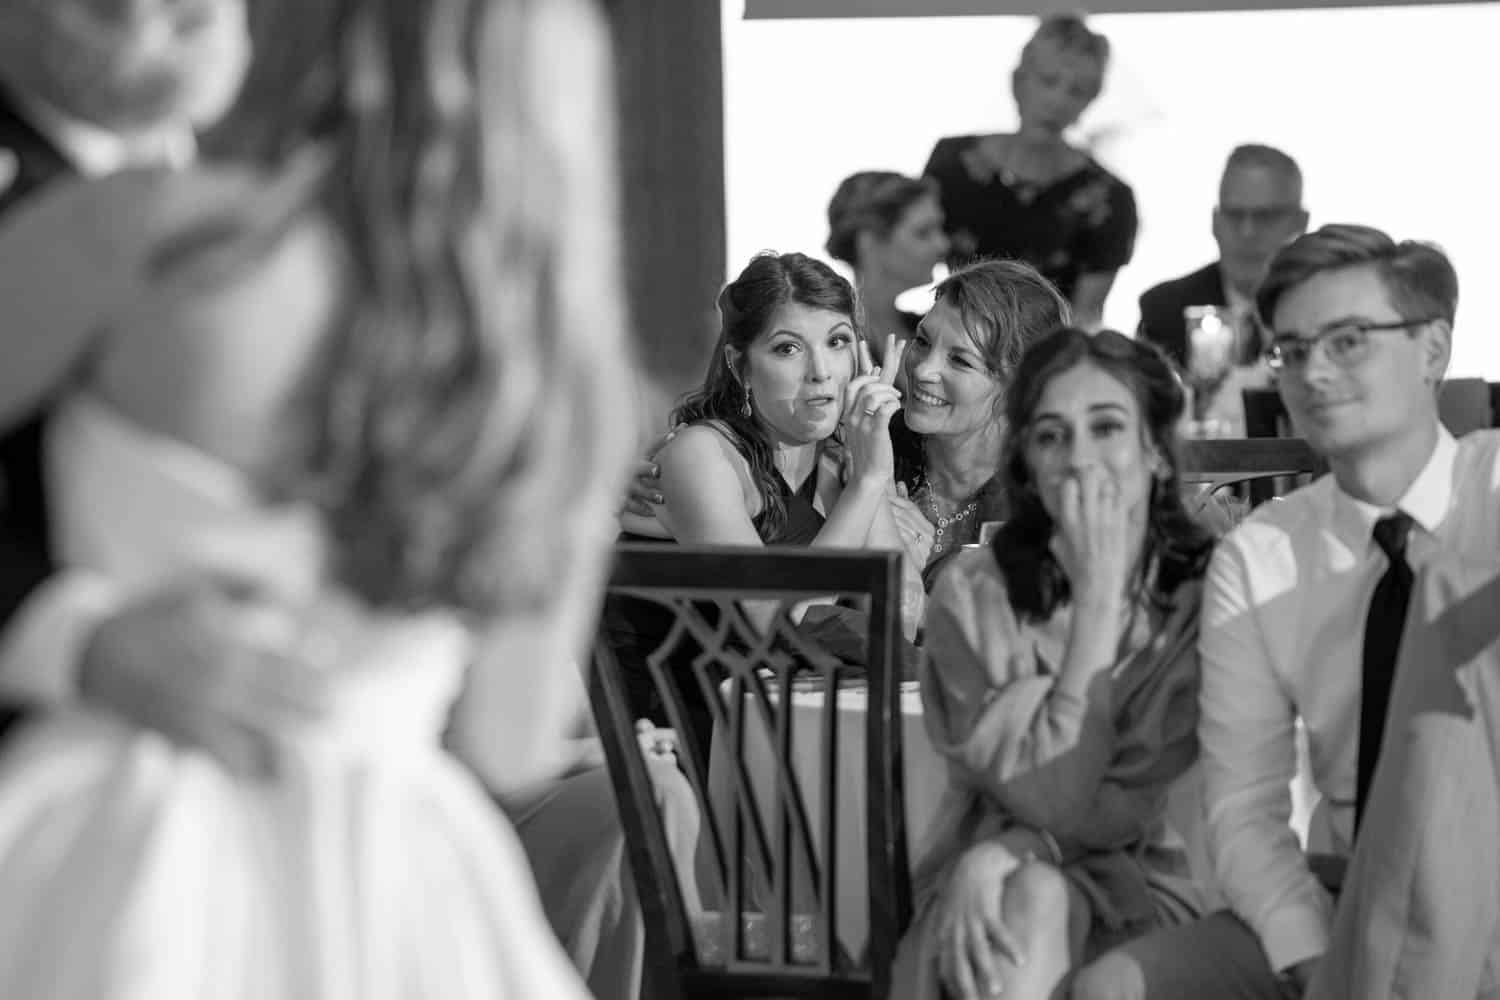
x=1177, y=546
x=747, y=306
x=472, y=403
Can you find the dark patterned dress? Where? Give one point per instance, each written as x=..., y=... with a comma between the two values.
x=1081, y=223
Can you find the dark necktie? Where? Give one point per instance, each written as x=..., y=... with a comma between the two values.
x=1383, y=626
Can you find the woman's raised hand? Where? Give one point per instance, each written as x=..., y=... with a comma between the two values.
x=870, y=400
x=1093, y=538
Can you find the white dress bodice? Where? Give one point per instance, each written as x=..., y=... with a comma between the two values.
x=367, y=865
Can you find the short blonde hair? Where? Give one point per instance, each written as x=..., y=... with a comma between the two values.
x=1068, y=33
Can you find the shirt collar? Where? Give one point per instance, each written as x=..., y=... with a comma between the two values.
x=95, y=151
x=1426, y=500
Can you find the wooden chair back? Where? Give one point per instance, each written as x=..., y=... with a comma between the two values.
x=1217, y=463
x=769, y=842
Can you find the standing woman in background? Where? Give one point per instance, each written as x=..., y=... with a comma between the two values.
x=889, y=229
x=1031, y=195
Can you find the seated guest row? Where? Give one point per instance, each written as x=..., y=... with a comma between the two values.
x=1073, y=666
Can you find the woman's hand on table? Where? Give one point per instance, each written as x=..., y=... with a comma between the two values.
x=972, y=937
x=1093, y=541
x=870, y=400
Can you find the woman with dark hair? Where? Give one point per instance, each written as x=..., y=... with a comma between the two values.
x=1061, y=685
x=786, y=442
x=889, y=229
x=348, y=380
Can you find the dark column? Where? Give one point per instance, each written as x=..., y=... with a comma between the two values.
x=670, y=67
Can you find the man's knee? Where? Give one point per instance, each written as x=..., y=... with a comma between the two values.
x=1113, y=976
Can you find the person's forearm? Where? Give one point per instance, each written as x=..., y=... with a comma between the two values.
x=1093, y=640
x=1259, y=864
x=848, y=524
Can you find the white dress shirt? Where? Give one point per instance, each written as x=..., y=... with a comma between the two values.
x=1282, y=635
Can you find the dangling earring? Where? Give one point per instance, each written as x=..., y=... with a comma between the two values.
x=745, y=410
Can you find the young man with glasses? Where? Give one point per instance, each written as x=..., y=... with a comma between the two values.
x=1259, y=212
x=1305, y=602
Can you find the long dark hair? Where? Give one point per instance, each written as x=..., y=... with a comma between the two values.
x=746, y=307
x=1177, y=546
x=471, y=403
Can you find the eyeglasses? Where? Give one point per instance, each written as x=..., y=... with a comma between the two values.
x=1260, y=218
x=1345, y=344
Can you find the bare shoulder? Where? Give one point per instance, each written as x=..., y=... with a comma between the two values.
x=702, y=461
x=699, y=449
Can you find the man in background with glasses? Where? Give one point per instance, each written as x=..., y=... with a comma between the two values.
x=1259, y=212
x=1303, y=609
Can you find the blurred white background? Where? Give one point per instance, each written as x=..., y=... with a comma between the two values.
x=1389, y=110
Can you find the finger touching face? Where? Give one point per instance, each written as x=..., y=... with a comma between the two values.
x=1087, y=430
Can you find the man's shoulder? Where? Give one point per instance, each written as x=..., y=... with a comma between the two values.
x=1283, y=526
x=1201, y=287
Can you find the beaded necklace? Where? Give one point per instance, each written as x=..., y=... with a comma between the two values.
x=940, y=542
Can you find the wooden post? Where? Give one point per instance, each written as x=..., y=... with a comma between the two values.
x=670, y=66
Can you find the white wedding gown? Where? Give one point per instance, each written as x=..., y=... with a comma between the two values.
x=370, y=866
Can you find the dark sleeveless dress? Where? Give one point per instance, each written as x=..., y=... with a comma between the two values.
x=635, y=627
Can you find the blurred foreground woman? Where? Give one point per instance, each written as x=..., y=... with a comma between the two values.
x=347, y=381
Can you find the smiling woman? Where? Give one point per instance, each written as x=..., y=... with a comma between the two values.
x=955, y=373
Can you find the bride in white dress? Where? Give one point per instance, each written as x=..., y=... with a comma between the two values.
x=383, y=384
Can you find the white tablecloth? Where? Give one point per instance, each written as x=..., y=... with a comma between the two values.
x=924, y=774
x=926, y=779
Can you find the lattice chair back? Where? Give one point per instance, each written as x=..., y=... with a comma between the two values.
x=766, y=772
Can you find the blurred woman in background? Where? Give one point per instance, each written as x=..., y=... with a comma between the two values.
x=1030, y=194
x=889, y=229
